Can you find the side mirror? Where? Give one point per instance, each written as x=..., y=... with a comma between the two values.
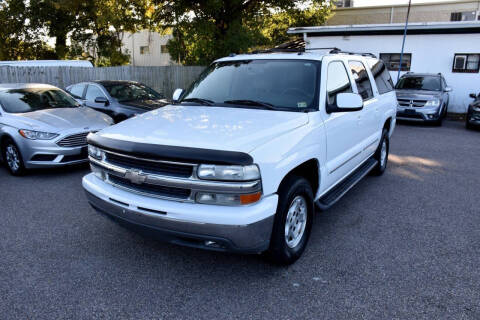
x=177, y=94
x=346, y=102
x=102, y=100
x=448, y=89
x=473, y=96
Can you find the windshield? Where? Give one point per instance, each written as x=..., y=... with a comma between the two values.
x=132, y=91
x=430, y=83
x=289, y=85
x=34, y=99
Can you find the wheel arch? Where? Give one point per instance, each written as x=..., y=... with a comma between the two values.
x=310, y=170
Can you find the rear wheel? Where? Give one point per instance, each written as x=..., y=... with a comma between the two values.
x=381, y=155
x=12, y=158
x=293, y=221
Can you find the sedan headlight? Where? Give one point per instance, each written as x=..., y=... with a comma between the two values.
x=37, y=135
x=228, y=173
x=95, y=152
x=432, y=103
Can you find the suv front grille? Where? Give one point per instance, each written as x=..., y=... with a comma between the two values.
x=411, y=103
x=75, y=140
x=150, y=166
x=162, y=191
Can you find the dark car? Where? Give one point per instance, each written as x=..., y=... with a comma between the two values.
x=473, y=113
x=118, y=99
x=422, y=97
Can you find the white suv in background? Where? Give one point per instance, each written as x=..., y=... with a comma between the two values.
x=240, y=160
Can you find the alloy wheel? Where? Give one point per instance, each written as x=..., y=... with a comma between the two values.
x=296, y=221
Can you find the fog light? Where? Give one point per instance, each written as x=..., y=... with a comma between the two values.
x=227, y=199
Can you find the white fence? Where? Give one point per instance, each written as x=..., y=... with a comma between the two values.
x=163, y=79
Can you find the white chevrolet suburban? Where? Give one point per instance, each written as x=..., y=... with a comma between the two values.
x=242, y=158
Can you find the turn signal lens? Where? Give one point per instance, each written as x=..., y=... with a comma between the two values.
x=250, y=198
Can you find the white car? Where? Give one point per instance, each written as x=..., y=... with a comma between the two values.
x=239, y=162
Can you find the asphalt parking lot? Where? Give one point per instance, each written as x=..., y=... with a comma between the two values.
x=402, y=246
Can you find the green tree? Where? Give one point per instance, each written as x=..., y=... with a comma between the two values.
x=204, y=30
x=17, y=40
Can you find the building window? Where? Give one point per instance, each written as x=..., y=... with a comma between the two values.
x=392, y=61
x=343, y=3
x=144, y=49
x=463, y=16
x=466, y=62
x=163, y=48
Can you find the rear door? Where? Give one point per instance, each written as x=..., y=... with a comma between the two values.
x=77, y=91
x=368, y=130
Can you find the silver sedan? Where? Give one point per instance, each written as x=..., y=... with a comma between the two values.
x=43, y=126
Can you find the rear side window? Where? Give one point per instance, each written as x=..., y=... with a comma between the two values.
x=337, y=81
x=382, y=76
x=361, y=78
x=77, y=90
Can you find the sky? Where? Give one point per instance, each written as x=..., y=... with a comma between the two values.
x=363, y=3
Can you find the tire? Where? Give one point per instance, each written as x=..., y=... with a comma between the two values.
x=12, y=158
x=295, y=203
x=383, y=147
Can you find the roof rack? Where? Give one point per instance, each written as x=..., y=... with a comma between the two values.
x=364, y=54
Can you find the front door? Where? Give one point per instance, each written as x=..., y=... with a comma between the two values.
x=342, y=128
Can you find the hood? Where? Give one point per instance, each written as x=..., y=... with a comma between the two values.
x=417, y=94
x=145, y=104
x=216, y=128
x=56, y=120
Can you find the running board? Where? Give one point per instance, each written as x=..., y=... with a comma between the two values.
x=332, y=196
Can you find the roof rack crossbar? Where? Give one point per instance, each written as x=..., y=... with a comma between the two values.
x=365, y=54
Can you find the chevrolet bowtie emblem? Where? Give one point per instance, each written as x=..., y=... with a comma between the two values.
x=135, y=176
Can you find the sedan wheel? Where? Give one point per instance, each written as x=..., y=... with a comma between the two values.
x=13, y=158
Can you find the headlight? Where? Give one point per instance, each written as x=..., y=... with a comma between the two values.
x=228, y=173
x=432, y=103
x=37, y=135
x=95, y=152
x=476, y=108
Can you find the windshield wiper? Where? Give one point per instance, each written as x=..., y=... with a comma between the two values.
x=254, y=103
x=202, y=101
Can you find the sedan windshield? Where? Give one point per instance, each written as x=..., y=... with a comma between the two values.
x=430, y=83
x=132, y=92
x=34, y=99
x=289, y=85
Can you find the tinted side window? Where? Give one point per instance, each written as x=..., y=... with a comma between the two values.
x=361, y=78
x=382, y=76
x=337, y=81
x=77, y=90
x=93, y=92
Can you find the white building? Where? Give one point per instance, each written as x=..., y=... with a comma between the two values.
x=147, y=48
x=452, y=48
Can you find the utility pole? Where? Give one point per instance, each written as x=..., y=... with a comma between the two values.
x=404, y=36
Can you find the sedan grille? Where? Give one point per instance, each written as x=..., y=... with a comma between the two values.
x=75, y=140
x=411, y=103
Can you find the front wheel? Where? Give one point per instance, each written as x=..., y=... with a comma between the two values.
x=381, y=155
x=293, y=221
x=13, y=158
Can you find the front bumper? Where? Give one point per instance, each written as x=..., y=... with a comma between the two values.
x=46, y=153
x=245, y=229
x=422, y=114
